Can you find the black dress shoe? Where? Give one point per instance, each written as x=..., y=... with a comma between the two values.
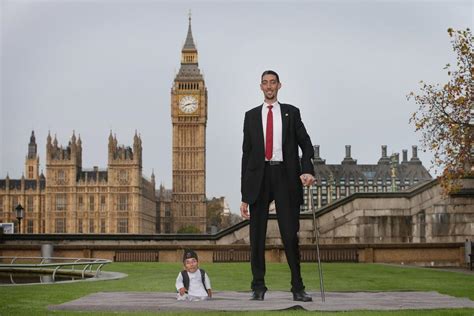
x=302, y=296
x=257, y=295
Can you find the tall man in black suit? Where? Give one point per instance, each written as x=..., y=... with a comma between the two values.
x=271, y=170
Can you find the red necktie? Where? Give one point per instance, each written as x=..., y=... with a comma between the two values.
x=269, y=134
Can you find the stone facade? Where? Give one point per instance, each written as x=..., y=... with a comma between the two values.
x=419, y=215
x=70, y=199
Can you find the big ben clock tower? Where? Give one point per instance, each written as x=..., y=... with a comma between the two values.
x=189, y=117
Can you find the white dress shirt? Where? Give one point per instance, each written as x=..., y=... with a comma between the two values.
x=277, y=130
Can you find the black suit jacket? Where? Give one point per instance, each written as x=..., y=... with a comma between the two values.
x=253, y=153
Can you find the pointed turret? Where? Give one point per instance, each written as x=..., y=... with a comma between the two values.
x=32, y=147
x=189, y=69
x=32, y=159
x=153, y=181
x=189, y=43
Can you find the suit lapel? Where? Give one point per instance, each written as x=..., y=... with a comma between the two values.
x=284, y=120
x=259, y=130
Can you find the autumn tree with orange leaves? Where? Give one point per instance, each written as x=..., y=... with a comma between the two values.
x=444, y=115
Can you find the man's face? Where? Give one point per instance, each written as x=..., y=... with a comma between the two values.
x=191, y=265
x=270, y=87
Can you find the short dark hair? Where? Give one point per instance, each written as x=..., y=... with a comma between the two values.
x=189, y=253
x=270, y=72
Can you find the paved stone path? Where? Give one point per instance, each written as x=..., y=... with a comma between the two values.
x=274, y=300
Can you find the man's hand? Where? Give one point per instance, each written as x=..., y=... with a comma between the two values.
x=307, y=179
x=182, y=291
x=244, y=210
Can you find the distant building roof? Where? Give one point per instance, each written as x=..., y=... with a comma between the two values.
x=349, y=170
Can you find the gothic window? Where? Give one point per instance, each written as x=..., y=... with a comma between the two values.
x=123, y=202
x=29, y=204
x=1, y=205
x=29, y=226
x=30, y=172
x=102, y=203
x=91, y=225
x=14, y=201
x=123, y=177
x=102, y=225
x=61, y=204
x=91, y=203
x=60, y=225
x=79, y=226
x=61, y=177
x=122, y=225
x=80, y=202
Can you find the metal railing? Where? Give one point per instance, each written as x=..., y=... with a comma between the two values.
x=47, y=264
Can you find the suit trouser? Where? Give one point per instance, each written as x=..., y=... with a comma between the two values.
x=274, y=187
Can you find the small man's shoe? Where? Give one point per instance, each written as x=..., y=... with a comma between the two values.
x=257, y=295
x=302, y=296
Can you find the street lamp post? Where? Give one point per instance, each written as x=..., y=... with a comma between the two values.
x=19, y=216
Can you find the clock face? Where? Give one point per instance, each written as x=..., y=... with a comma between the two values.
x=188, y=104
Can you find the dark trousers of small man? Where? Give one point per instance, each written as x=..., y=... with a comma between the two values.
x=274, y=187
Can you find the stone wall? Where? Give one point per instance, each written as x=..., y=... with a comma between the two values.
x=419, y=226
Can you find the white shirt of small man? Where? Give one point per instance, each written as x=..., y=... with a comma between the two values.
x=196, y=291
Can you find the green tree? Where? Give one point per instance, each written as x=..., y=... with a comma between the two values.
x=443, y=115
x=215, y=206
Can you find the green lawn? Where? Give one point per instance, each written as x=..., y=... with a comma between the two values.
x=33, y=300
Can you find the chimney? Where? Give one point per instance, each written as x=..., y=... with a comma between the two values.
x=348, y=159
x=414, y=155
x=317, y=159
x=316, y=151
x=405, y=155
x=384, y=159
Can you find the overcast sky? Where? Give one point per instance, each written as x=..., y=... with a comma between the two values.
x=95, y=66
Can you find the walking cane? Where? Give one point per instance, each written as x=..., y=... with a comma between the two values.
x=316, y=239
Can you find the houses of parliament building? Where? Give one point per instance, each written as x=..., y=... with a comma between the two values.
x=70, y=199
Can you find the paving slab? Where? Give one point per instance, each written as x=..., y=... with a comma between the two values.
x=274, y=300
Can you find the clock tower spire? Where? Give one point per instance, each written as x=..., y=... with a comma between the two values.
x=189, y=118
